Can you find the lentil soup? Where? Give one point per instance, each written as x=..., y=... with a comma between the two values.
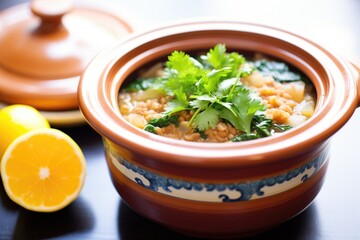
x=217, y=97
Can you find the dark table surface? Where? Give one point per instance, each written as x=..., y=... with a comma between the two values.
x=99, y=212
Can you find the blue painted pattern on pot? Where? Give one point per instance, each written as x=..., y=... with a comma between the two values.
x=213, y=192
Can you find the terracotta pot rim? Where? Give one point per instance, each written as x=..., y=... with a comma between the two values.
x=98, y=96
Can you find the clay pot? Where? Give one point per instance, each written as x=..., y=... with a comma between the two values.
x=218, y=190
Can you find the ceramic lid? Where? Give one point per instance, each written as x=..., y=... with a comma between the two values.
x=46, y=45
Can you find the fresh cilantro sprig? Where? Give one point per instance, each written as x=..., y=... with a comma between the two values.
x=245, y=107
x=211, y=88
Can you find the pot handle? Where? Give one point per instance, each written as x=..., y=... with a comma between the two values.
x=357, y=75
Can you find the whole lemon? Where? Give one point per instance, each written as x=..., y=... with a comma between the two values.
x=17, y=119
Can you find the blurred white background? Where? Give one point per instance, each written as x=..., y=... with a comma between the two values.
x=334, y=24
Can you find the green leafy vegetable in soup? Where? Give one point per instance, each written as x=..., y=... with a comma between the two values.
x=218, y=97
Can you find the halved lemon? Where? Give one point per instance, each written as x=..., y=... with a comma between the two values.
x=16, y=120
x=43, y=170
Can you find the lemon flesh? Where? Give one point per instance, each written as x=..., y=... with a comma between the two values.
x=43, y=170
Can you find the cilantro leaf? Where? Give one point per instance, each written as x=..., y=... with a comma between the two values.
x=181, y=75
x=207, y=119
x=235, y=61
x=180, y=95
x=180, y=64
x=216, y=57
x=214, y=77
x=202, y=101
x=175, y=106
x=226, y=85
x=244, y=106
x=199, y=104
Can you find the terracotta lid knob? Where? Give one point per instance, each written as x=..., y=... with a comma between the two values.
x=51, y=11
